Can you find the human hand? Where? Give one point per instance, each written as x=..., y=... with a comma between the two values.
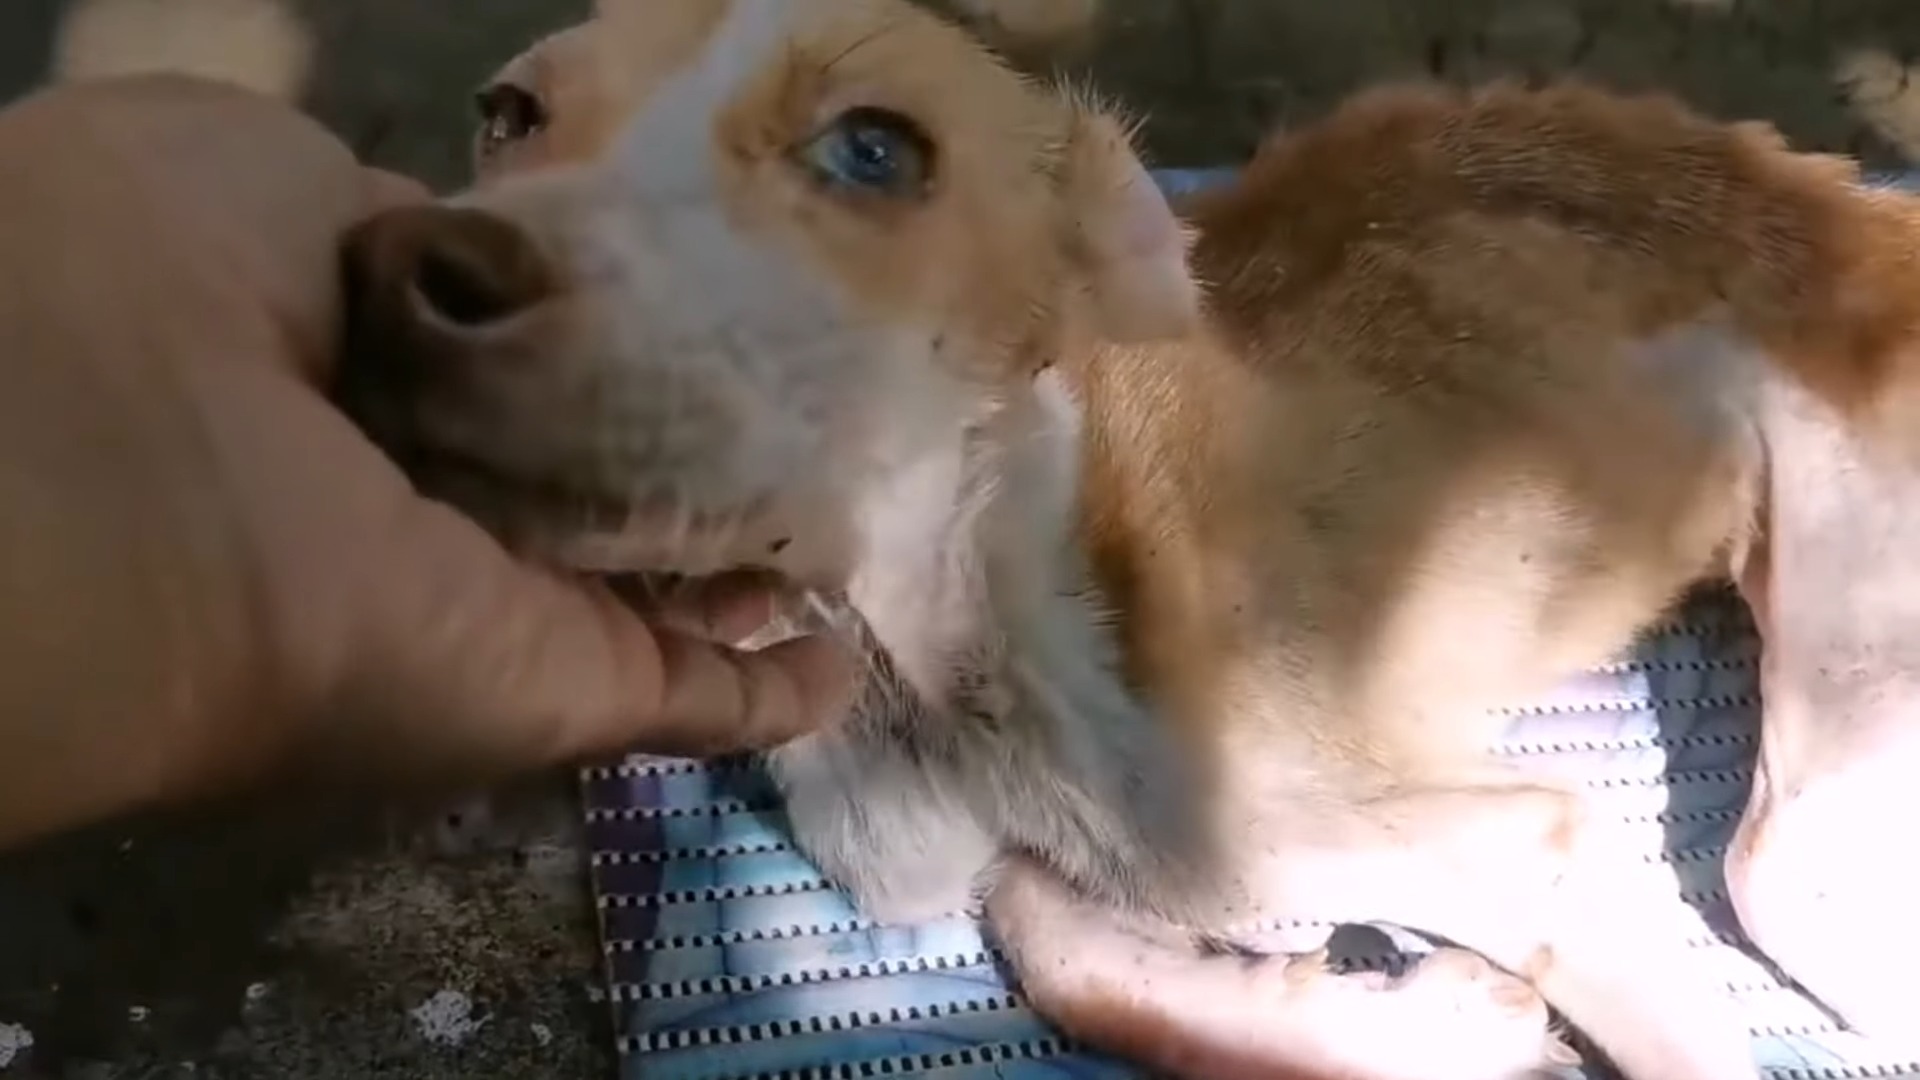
x=205, y=570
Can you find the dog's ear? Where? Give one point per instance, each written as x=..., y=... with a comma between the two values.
x=1124, y=238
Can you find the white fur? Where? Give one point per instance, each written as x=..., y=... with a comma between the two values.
x=664, y=151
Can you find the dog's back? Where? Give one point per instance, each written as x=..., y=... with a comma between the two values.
x=1481, y=399
x=1668, y=218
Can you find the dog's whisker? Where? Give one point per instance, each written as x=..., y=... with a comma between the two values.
x=680, y=526
x=649, y=585
x=727, y=533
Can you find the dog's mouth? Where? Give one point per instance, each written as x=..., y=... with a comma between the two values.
x=582, y=528
x=589, y=533
x=508, y=502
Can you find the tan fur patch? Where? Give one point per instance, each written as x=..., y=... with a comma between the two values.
x=1030, y=23
x=1810, y=269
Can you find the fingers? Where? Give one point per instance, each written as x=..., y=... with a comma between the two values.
x=383, y=190
x=728, y=609
x=454, y=657
x=468, y=660
x=718, y=700
x=222, y=191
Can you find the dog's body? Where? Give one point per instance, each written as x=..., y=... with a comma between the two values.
x=1196, y=616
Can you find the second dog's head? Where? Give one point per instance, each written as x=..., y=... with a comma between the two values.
x=733, y=266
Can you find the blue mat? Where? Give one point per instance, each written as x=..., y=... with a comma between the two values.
x=729, y=958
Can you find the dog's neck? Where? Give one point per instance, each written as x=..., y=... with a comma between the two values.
x=1053, y=525
x=959, y=545
x=982, y=581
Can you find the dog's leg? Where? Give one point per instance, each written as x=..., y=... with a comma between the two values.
x=877, y=805
x=1835, y=590
x=1144, y=990
x=903, y=846
x=1824, y=884
x=1512, y=872
x=1518, y=874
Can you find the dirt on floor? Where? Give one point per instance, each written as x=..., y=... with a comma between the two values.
x=265, y=941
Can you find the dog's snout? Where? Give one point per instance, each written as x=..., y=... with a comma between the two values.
x=432, y=295
x=432, y=298
x=444, y=272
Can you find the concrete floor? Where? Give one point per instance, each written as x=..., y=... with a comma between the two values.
x=260, y=940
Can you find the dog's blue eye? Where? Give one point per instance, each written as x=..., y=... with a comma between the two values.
x=872, y=151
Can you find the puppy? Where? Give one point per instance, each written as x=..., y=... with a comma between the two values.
x=1192, y=605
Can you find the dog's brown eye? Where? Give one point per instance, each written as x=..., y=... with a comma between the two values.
x=508, y=113
x=870, y=151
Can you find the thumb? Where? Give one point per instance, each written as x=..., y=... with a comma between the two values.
x=474, y=662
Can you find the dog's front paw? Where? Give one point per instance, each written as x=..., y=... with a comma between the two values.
x=1479, y=1020
x=882, y=830
x=1143, y=990
x=1453, y=1016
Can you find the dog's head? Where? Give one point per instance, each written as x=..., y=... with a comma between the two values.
x=732, y=266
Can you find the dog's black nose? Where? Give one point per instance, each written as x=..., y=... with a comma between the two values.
x=443, y=271
x=431, y=296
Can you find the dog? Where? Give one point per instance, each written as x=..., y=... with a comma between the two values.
x=1197, y=550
